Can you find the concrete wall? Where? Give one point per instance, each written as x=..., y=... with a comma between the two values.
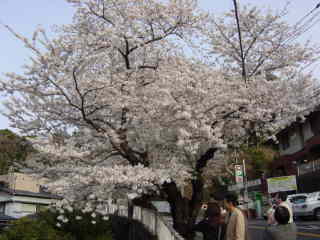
x=297, y=138
x=24, y=182
x=159, y=225
x=20, y=181
x=295, y=142
x=307, y=132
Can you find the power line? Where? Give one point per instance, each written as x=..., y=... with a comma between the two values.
x=304, y=24
x=308, y=14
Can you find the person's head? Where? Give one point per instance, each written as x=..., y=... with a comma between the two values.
x=213, y=212
x=230, y=201
x=282, y=215
x=281, y=197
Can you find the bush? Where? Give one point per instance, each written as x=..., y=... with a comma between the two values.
x=85, y=228
x=29, y=229
x=45, y=226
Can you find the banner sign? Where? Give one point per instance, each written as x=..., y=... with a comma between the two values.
x=282, y=184
x=238, y=173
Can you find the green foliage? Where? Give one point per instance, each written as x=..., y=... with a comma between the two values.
x=44, y=227
x=29, y=229
x=258, y=160
x=82, y=229
x=13, y=148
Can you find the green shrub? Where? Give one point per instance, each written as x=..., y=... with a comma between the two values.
x=44, y=227
x=29, y=229
x=80, y=229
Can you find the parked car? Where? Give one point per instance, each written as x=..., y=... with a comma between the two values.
x=296, y=199
x=310, y=207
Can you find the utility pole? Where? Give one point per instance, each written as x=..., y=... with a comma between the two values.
x=244, y=76
x=245, y=183
x=243, y=63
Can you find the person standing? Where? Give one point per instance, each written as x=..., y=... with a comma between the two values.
x=237, y=227
x=281, y=200
x=283, y=230
x=213, y=226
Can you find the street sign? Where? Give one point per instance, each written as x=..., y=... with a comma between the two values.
x=284, y=183
x=238, y=173
x=239, y=186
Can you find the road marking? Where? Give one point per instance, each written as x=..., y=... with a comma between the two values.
x=298, y=233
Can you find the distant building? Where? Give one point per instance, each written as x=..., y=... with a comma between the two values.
x=21, y=195
x=299, y=146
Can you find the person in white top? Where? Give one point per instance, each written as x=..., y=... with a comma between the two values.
x=281, y=200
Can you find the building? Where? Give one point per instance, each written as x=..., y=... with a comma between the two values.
x=22, y=195
x=299, y=147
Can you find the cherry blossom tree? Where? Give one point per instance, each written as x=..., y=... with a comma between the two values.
x=270, y=44
x=130, y=112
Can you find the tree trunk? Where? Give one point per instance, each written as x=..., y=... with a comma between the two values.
x=179, y=207
x=184, y=212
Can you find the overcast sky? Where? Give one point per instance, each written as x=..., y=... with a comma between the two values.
x=25, y=15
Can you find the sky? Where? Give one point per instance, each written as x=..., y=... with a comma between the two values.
x=24, y=17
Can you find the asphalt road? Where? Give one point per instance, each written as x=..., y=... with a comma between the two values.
x=307, y=230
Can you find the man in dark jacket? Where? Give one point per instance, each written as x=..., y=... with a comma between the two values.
x=213, y=226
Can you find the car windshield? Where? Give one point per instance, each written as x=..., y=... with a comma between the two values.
x=298, y=199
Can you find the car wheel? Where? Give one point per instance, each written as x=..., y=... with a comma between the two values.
x=317, y=214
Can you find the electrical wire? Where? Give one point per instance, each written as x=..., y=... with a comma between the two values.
x=304, y=24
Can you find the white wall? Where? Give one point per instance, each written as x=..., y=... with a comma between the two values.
x=17, y=210
x=307, y=132
x=295, y=143
x=21, y=206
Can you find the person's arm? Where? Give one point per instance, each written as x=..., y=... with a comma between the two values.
x=270, y=216
x=240, y=228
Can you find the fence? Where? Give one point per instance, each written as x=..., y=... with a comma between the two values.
x=156, y=223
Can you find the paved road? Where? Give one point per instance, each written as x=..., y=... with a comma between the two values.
x=307, y=230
